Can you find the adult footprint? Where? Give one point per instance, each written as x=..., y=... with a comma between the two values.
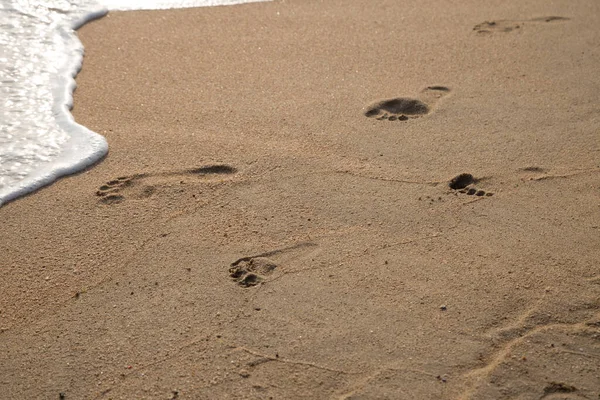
x=404, y=108
x=505, y=26
x=142, y=186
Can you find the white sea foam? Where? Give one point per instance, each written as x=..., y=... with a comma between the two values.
x=163, y=4
x=39, y=58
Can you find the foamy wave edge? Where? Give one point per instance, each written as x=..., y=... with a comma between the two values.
x=85, y=147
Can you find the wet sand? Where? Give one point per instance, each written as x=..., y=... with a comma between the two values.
x=275, y=219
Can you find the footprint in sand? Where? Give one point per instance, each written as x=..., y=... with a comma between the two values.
x=465, y=183
x=250, y=271
x=559, y=390
x=142, y=186
x=532, y=173
x=405, y=108
x=253, y=270
x=489, y=27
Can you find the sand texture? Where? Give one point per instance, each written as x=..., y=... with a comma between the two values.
x=275, y=220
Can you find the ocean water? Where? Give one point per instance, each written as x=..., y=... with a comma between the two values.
x=39, y=58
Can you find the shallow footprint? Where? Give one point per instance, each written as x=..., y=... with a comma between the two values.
x=505, y=26
x=404, y=108
x=250, y=271
x=143, y=186
x=253, y=270
x=111, y=191
x=532, y=173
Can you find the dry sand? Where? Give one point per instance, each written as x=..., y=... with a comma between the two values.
x=240, y=154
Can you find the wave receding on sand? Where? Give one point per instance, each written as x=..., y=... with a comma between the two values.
x=40, y=141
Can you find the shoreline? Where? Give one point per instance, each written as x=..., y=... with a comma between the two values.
x=61, y=147
x=253, y=233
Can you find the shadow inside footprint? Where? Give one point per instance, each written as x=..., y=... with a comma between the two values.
x=253, y=270
x=250, y=271
x=463, y=184
x=438, y=88
x=213, y=169
x=112, y=199
x=551, y=18
x=403, y=108
x=496, y=26
x=400, y=105
x=488, y=27
x=532, y=169
x=461, y=181
x=559, y=387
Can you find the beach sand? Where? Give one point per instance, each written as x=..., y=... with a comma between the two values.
x=274, y=217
